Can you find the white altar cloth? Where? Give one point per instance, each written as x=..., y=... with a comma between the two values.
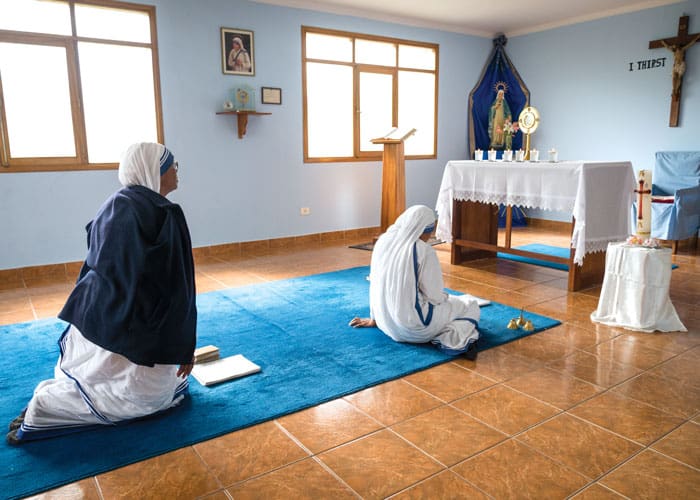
x=598, y=194
x=635, y=290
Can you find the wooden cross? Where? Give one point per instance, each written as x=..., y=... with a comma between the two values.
x=678, y=45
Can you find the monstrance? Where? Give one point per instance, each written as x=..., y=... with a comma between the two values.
x=528, y=121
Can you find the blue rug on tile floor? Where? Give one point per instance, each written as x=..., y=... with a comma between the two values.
x=295, y=329
x=547, y=250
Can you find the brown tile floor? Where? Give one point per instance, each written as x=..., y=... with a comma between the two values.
x=581, y=410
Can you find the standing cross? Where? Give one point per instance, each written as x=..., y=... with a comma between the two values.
x=678, y=45
x=641, y=192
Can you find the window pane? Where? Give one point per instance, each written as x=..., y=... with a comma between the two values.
x=411, y=56
x=329, y=110
x=36, y=16
x=119, y=98
x=375, y=108
x=417, y=110
x=112, y=24
x=371, y=52
x=332, y=48
x=37, y=107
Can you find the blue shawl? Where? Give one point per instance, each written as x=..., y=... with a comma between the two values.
x=135, y=295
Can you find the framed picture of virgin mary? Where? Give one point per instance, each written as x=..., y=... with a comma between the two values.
x=237, y=52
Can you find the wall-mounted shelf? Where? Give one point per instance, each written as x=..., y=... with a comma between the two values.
x=242, y=119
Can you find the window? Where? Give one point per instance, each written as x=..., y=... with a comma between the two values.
x=79, y=83
x=357, y=87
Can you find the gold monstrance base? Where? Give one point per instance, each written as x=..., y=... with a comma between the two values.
x=527, y=146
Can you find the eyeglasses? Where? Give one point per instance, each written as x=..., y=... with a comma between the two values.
x=176, y=166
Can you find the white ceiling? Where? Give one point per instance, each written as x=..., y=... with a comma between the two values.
x=485, y=18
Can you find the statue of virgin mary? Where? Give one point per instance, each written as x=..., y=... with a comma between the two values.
x=498, y=115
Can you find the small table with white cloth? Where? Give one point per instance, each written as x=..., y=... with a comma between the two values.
x=635, y=290
x=598, y=194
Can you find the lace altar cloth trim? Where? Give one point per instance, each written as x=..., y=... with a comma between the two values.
x=561, y=204
x=602, y=245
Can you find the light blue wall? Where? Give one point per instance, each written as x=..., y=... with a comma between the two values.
x=241, y=190
x=591, y=106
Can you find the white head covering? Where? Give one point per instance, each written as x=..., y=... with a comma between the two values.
x=410, y=225
x=391, y=273
x=406, y=292
x=141, y=165
x=395, y=247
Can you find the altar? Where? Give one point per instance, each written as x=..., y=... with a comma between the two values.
x=599, y=195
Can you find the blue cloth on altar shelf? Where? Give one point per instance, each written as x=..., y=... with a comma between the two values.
x=518, y=217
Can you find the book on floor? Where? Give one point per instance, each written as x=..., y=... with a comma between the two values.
x=224, y=369
x=206, y=354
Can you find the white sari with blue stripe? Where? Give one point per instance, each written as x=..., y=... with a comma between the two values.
x=407, y=297
x=93, y=386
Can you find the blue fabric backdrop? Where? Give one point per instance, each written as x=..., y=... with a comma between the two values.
x=498, y=69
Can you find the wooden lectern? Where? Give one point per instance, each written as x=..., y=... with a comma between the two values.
x=393, y=175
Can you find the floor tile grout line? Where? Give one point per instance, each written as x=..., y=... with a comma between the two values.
x=98, y=487
x=328, y=469
x=315, y=457
x=207, y=466
x=512, y=438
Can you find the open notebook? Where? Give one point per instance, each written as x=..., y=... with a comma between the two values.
x=223, y=369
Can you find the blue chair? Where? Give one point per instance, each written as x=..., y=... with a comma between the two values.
x=675, y=207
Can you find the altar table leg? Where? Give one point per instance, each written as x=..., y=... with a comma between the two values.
x=509, y=224
x=474, y=222
x=589, y=274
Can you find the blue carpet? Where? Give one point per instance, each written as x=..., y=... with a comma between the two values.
x=536, y=247
x=295, y=329
x=545, y=249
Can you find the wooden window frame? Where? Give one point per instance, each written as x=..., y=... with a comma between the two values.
x=80, y=161
x=357, y=68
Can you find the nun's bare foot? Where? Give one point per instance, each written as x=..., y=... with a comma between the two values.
x=17, y=422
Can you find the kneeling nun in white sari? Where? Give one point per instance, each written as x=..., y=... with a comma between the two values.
x=406, y=292
x=128, y=347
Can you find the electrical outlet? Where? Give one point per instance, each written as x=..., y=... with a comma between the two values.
x=304, y=211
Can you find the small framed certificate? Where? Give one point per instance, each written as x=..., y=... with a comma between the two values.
x=271, y=95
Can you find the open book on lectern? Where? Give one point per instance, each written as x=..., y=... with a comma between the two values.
x=396, y=134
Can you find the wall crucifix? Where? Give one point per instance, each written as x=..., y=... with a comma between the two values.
x=678, y=45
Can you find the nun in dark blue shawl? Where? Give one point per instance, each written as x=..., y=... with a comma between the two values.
x=128, y=348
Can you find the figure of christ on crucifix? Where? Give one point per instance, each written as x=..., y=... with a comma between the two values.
x=678, y=45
